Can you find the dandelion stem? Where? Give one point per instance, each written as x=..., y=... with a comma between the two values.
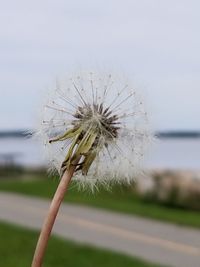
x=51, y=216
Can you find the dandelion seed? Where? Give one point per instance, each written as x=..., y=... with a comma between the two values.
x=100, y=120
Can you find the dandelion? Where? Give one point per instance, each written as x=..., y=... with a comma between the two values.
x=94, y=129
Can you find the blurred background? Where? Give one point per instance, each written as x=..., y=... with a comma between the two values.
x=156, y=44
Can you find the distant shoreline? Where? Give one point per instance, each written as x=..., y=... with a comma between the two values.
x=178, y=134
x=16, y=134
x=160, y=135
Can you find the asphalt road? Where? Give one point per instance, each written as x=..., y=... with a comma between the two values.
x=150, y=240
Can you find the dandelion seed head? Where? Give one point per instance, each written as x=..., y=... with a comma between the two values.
x=99, y=119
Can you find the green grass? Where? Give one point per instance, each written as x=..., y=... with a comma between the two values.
x=17, y=246
x=121, y=199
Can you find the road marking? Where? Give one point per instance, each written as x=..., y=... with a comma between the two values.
x=110, y=229
x=131, y=235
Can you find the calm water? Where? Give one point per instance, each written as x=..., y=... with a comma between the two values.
x=168, y=153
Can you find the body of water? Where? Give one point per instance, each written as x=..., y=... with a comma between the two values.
x=180, y=154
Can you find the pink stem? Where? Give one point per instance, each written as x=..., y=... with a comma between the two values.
x=51, y=216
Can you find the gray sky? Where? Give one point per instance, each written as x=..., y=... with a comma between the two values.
x=155, y=42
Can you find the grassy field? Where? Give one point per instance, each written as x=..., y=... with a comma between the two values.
x=17, y=246
x=121, y=199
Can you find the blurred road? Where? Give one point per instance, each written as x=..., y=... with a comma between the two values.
x=151, y=240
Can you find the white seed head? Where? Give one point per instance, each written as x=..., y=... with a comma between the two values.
x=99, y=120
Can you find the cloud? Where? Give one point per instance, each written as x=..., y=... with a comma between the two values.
x=157, y=41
